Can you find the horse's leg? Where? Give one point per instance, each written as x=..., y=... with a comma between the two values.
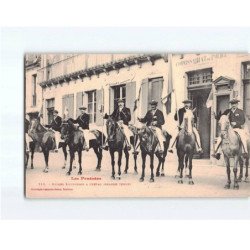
x=135, y=153
x=181, y=166
x=32, y=155
x=72, y=155
x=241, y=163
x=246, y=174
x=80, y=161
x=119, y=163
x=186, y=165
x=143, y=156
x=127, y=160
x=46, y=158
x=227, y=161
x=178, y=169
x=65, y=155
x=159, y=165
x=98, y=155
x=190, y=165
x=152, y=167
x=235, y=169
x=112, y=155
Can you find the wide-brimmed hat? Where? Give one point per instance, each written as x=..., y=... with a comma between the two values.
x=153, y=102
x=234, y=100
x=187, y=101
x=82, y=108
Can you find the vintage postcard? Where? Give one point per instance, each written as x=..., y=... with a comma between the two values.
x=136, y=125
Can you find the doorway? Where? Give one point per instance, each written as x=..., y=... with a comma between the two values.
x=199, y=98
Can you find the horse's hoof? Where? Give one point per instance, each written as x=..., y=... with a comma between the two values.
x=112, y=177
x=227, y=186
x=68, y=173
x=45, y=170
x=141, y=179
x=63, y=167
x=125, y=171
x=79, y=173
x=246, y=180
x=151, y=180
x=135, y=171
x=157, y=174
x=191, y=183
x=162, y=174
x=236, y=186
x=32, y=167
x=180, y=181
x=118, y=177
x=187, y=176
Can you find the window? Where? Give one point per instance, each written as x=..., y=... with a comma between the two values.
x=50, y=109
x=92, y=106
x=34, y=90
x=246, y=68
x=119, y=93
x=200, y=77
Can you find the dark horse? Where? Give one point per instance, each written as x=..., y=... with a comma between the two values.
x=149, y=146
x=186, y=146
x=232, y=148
x=116, y=142
x=43, y=138
x=75, y=140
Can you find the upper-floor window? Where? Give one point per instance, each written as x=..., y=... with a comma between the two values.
x=92, y=106
x=200, y=76
x=34, y=77
x=119, y=93
x=50, y=105
x=246, y=69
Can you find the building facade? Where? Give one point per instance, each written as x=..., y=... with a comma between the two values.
x=67, y=81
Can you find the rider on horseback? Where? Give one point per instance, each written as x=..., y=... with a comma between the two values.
x=83, y=122
x=237, y=119
x=56, y=127
x=122, y=116
x=180, y=115
x=155, y=118
x=27, y=136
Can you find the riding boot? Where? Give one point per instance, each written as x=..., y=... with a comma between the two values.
x=105, y=146
x=215, y=154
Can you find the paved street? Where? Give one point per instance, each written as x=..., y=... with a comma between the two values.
x=209, y=180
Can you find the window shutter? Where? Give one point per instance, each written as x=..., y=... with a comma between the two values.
x=99, y=105
x=64, y=104
x=111, y=100
x=130, y=98
x=79, y=102
x=144, y=97
x=156, y=91
x=71, y=105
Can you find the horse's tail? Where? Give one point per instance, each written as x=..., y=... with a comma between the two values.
x=100, y=137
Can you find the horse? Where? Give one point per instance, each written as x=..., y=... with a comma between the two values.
x=75, y=140
x=32, y=146
x=185, y=146
x=116, y=141
x=43, y=138
x=232, y=148
x=149, y=146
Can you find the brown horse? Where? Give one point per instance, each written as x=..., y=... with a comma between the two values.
x=232, y=148
x=186, y=146
x=43, y=138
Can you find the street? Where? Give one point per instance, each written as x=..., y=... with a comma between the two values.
x=209, y=180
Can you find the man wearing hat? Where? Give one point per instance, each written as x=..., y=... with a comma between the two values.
x=56, y=127
x=154, y=117
x=180, y=115
x=83, y=122
x=237, y=119
x=122, y=116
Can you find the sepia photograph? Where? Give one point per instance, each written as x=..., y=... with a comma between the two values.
x=136, y=125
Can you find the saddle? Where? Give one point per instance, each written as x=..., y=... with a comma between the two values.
x=95, y=132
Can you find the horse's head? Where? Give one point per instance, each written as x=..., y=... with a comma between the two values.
x=224, y=125
x=188, y=121
x=111, y=126
x=147, y=139
x=64, y=130
x=34, y=125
